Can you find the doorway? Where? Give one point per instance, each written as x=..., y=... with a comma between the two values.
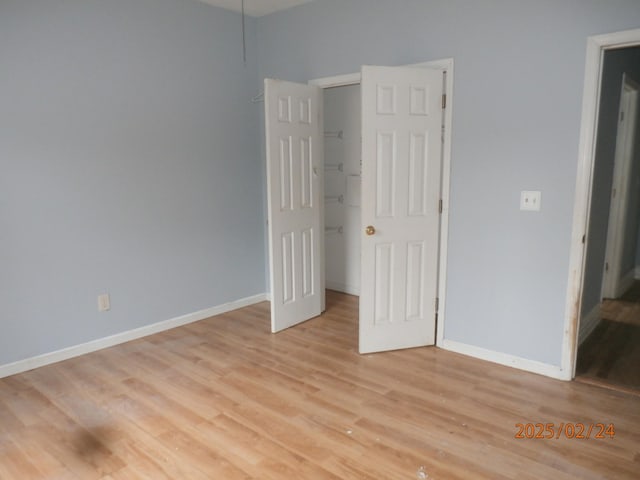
x=415, y=143
x=624, y=212
x=609, y=330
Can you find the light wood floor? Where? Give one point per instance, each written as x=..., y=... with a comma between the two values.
x=224, y=399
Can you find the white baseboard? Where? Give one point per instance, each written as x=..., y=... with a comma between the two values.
x=99, y=344
x=343, y=287
x=520, y=363
x=588, y=323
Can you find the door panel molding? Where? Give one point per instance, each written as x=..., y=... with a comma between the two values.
x=293, y=129
x=394, y=290
x=447, y=65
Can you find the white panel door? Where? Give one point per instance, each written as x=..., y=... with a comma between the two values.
x=401, y=169
x=293, y=124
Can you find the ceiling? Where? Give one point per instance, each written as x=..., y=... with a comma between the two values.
x=256, y=8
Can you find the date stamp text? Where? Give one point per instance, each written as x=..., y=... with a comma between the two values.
x=579, y=431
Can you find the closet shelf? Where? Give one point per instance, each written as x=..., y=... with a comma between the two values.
x=333, y=167
x=333, y=135
x=334, y=199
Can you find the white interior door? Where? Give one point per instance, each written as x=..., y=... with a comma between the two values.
x=402, y=122
x=293, y=124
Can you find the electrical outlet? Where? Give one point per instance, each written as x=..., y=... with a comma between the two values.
x=530, y=200
x=104, y=302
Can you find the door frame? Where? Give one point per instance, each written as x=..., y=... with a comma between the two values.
x=445, y=64
x=596, y=47
x=613, y=285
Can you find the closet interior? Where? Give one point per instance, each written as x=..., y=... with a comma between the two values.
x=342, y=188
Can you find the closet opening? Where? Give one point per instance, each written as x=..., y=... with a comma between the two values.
x=342, y=169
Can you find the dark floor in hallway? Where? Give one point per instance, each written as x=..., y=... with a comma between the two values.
x=611, y=354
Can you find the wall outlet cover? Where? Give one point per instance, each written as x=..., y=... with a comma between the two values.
x=530, y=200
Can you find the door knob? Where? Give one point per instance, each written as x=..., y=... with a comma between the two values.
x=370, y=230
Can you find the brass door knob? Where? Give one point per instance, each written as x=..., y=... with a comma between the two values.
x=370, y=230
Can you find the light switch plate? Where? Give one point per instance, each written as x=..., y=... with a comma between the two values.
x=104, y=302
x=530, y=200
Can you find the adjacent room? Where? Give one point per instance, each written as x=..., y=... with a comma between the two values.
x=146, y=174
x=610, y=327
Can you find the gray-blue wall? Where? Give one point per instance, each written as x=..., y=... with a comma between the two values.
x=616, y=63
x=130, y=155
x=129, y=164
x=519, y=73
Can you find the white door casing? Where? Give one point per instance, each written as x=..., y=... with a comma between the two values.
x=402, y=122
x=597, y=45
x=293, y=125
x=613, y=285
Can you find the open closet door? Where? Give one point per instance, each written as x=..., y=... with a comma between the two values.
x=293, y=124
x=402, y=122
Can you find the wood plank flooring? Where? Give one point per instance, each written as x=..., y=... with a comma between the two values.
x=611, y=354
x=621, y=311
x=625, y=309
x=225, y=399
x=633, y=293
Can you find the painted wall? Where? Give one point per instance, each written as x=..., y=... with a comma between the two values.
x=129, y=160
x=342, y=259
x=616, y=62
x=519, y=73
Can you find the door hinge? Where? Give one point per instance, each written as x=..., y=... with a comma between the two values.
x=440, y=206
x=622, y=116
x=606, y=266
x=584, y=238
x=437, y=304
x=444, y=101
